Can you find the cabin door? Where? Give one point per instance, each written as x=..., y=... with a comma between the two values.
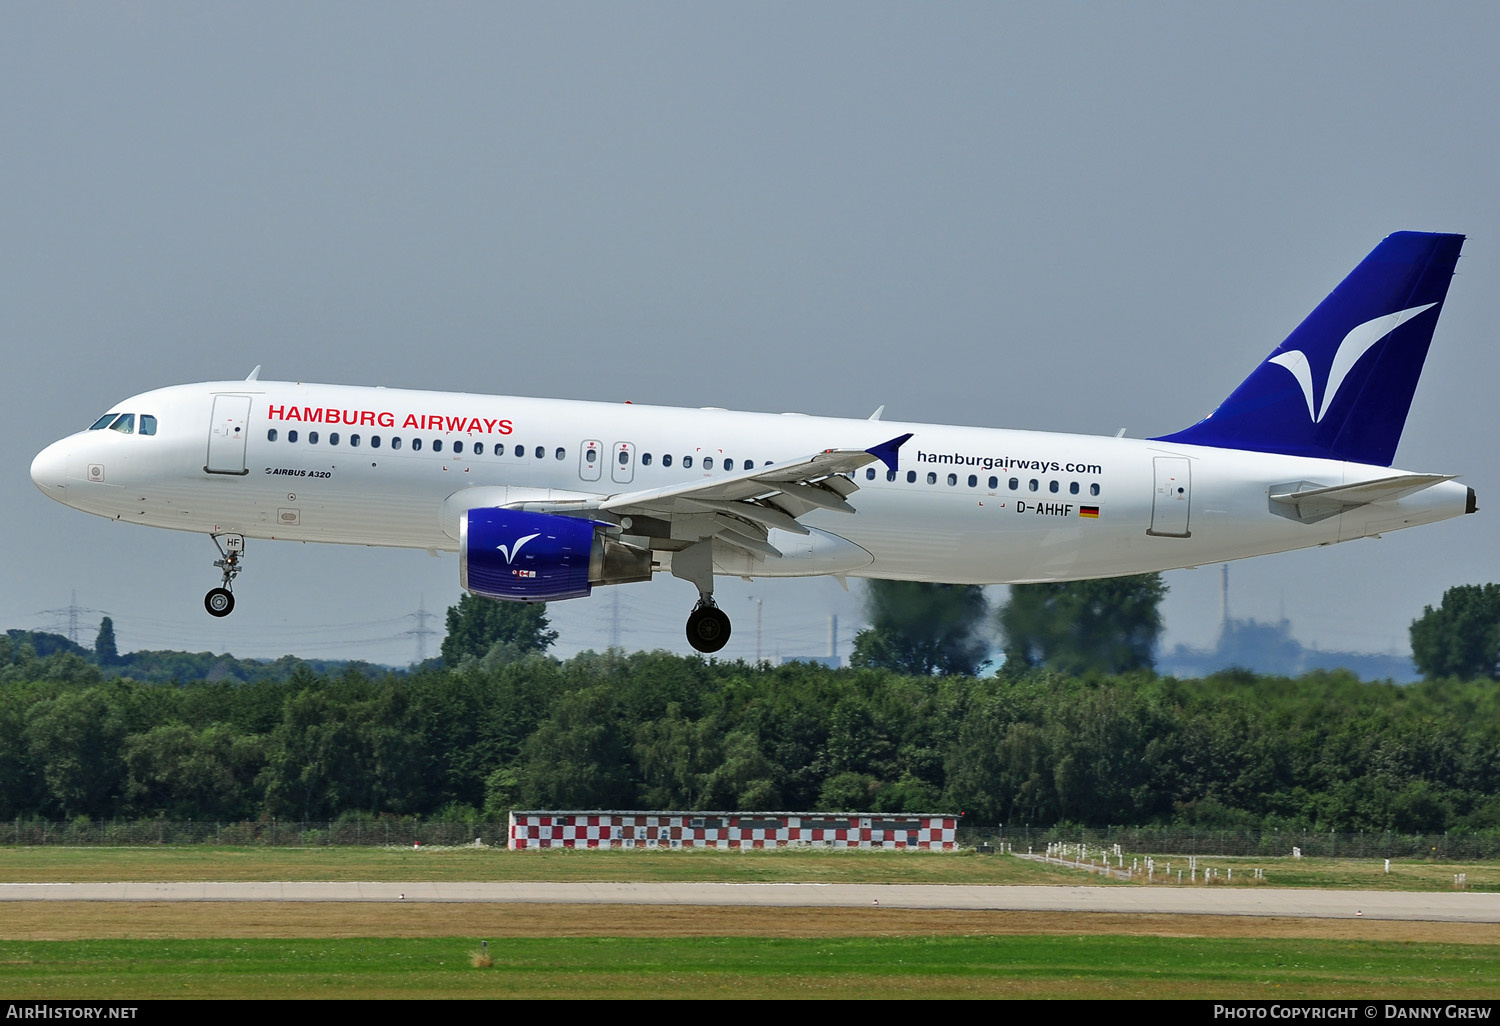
x=1174, y=490
x=227, y=434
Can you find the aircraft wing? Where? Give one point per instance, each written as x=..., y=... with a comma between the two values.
x=741, y=508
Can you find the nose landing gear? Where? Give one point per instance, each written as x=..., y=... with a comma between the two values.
x=220, y=601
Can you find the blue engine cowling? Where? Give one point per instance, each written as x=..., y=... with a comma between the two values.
x=538, y=557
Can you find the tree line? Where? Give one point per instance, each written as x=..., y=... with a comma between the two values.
x=515, y=728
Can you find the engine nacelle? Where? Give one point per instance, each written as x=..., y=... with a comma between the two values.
x=538, y=557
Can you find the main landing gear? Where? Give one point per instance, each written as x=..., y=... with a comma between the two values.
x=707, y=626
x=220, y=601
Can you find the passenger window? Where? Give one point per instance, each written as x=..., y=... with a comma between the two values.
x=931, y=477
x=1033, y=485
x=1014, y=484
x=590, y=454
x=1093, y=489
x=291, y=436
x=541, y=452
x=1073, y=488
x=458, y=446
x=890, y=475
x=374, y=441
x=952, y=480
x=416, y=445
x=148, y=424
x=1052, y=487
x=645, y=459
x=125, y=424
x=104, y=421
x=561, y=453
x=911, y=477
x=666, y=460
x=271, y=435
x=312, y=438
x=499, y=449
x=708, y=463
x=396, y=442
x=437, y=445
x=624, y=457
x=749, y=464
x=729, y=464
x=870, y=474
x=354, y=440
x=687, y=461
x=973, y=481
x=520, y=451
x=994, y=483
x=333, y=438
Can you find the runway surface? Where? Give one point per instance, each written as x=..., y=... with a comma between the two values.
x=1219, y=901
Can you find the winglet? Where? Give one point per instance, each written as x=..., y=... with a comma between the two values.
x=885, y=452
x=255, y=374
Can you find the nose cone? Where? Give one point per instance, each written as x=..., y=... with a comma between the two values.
x=49, y=471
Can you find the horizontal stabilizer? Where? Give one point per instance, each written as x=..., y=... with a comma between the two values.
x=1310, y=503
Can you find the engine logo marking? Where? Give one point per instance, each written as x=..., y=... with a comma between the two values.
x=515, y=549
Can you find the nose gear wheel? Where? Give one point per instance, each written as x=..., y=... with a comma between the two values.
x=220, y=601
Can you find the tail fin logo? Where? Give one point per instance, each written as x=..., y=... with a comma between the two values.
x=515, y=548
x=1355, y=345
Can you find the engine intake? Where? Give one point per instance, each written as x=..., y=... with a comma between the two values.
x=538, y=557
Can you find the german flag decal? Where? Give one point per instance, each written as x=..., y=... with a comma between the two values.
x=1092, y=512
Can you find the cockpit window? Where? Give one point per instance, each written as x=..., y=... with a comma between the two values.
x=148, y=424
x=104, y=421
x=125, y=424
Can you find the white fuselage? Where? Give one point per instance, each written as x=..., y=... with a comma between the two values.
x=967, y=505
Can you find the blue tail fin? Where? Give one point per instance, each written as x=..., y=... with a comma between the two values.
x=1341, y=384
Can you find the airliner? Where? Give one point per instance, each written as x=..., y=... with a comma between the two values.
x=543, y=499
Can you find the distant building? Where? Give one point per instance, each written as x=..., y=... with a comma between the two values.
x=1270, y=648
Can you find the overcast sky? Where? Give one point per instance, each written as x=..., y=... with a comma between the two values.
x=1074, y=217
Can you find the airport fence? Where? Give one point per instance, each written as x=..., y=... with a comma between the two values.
x=1169, y=840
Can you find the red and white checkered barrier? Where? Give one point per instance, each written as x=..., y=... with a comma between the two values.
x=550, y=829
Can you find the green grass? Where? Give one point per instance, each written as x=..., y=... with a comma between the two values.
x=43, y=864
x=1033, y=966
x=1342, y=874
x=1000, y=965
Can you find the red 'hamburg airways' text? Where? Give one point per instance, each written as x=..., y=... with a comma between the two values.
x=387, y=419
